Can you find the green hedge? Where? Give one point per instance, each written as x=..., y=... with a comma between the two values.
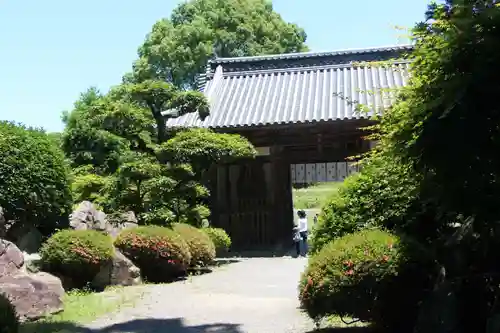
x=380, y=195
x=201, y=247
x=77, y=254
x=161, y=253
x=221, y=239
x=364, y=275
x=34, y=177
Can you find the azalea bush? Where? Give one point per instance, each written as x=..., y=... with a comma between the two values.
x=76, y=254
x=221, y=239
x=160, y=252
x=362, y=275
x=200, y=246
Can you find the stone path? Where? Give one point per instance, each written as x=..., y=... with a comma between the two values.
x=254, y=295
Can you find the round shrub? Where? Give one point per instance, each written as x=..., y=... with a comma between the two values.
x=34, y=177
x=363, y=275
x=161, y=253
x=220, y=238
x=77, y=254
x=200, y=245
x=9, y=321
x=383, y=194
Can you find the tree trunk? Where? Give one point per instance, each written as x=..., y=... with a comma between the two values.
x=161, y=127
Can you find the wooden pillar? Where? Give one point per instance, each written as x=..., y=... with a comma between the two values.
x=282, y=213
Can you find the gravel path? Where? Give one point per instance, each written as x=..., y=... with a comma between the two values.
x=254, y=295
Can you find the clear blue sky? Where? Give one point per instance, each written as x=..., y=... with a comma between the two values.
x=53, y=50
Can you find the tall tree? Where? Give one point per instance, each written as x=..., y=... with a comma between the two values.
x=446, y=125
x=124, y=159
x=178, y=48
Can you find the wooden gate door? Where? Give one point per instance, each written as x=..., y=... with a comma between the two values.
x=244, y=205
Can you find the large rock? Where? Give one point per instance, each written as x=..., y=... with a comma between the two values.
x=11, y=258
x=87, y=216
x=120, y=271
x=33, y=295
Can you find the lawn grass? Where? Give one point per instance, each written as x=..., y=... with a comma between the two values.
x=82, y=307
x=314, y=196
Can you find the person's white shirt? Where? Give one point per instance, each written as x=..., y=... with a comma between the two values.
x=303, y=224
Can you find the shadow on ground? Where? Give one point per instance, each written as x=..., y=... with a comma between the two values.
x=259, y=253
x=344, y=330
x=134, y=326
x=219, y=262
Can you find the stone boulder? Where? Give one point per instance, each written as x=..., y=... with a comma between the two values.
x=33, y=295
x=87, y=216
x=120, y=271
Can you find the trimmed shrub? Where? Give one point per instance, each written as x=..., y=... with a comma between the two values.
x=77, y=254
x=161, y=253
x=200, y=245
x=220, y=238
x=9, y=321
x=364, y=275
x=382, y=194
x=34, y=177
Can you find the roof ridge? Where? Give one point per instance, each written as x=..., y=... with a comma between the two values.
x=350, y=65
x=304, y=55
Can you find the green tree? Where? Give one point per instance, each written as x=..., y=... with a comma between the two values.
x=163, y=100
x=178, y=48
x=34, y=185
x=118, y=143
x=202, y=148
x=445, y=126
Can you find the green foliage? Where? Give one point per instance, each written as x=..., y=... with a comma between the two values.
x=382, y=194
x=161, y=253
x=201, y=247
x=364, y=275
x=456, y=61
x=34, y=177
x=202, y=147
x=76, y=254
x=89, y=187
x=162, y=100
x=177, y=49
x=452, y=214
x=451, y=92
x=9, y=321
x=220, y=238
x=114, y=144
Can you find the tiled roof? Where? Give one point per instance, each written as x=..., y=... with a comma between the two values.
x=297, y=88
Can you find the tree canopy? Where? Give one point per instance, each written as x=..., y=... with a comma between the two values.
x=124, y=158
x=177, y=48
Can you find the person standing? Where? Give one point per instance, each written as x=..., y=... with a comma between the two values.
x=303, y=229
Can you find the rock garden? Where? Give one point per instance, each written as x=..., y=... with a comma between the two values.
x=71, y=223
x=95, y=253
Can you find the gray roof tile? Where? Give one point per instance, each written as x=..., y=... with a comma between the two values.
x=276, y=92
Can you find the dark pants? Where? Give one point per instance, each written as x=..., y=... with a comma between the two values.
x=297, y=248
x=303, y=234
